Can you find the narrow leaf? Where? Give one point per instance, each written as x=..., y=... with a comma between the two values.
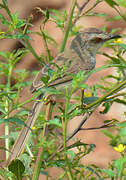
x=119, y=164
x=13, y=120
x=111, y=3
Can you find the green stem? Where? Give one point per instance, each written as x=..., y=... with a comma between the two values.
x=82, y=97
x=9, y=77
x=68, y=26
x=66, y=121
x=7, y=131
x=46, y=44
x=28, y=101
x=114, y=90
x=7, y=110
x=17, y=106
x=18, y=95
x=65, y=133
x=41, y=149
x=38, y=164
x=29, y=46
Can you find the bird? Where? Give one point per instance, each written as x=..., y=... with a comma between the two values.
x=80, y=56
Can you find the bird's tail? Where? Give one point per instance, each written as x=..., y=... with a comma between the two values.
x=25, y=132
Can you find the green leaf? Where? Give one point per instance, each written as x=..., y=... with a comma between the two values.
x=79, y=143
x=89, y=100
x=60, y=163
x=45, y=173
x=47, y=16
x=51, y=72
x=123, y=131
x=122, y=124
x=3, y=54
x=122, y=3
x=4, y=21
x=78, y=80
x=23, y=112
x=109, y=172
x=99, y=14
x=15, y=17
x=2, y=6
x=45, y=79
x=3, y=148
x=14, y=120
x=18, y=36
x=115, y=18
x=20, y=24
x=108, y=133
x=121, y=45
x=49, y=38
x=26, y=159
x=111, y=3
x=71, y=153
x=55, y=122
x=120, y=101
x=2, y=110
x=94, y=172
x=5, y=174
x=107, y=106
x=17, y=168
x=50, y=90
x=119, y=164
x=91, y=148
x=5, y=1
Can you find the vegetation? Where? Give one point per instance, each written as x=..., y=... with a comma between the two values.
x=43, y=152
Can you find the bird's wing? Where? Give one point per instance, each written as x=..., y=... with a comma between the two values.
x=62, y=76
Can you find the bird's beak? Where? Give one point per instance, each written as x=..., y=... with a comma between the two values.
x=116, y=36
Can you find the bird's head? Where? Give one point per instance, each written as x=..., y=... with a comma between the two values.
x=92, y=39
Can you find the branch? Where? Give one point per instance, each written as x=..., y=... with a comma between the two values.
x=68, y=25
x=61, y=148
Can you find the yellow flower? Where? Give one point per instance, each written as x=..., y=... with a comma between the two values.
x=120, y=148
x=87, y=94
x=119, y=40
x=33, y=128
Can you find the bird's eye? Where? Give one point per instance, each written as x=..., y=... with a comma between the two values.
x=97, y=40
